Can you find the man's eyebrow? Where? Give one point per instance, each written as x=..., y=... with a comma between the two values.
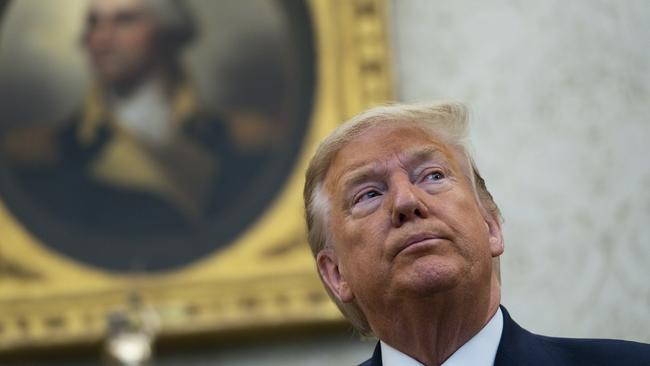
x=420, y=154
x=365, y=170
x=359, y=173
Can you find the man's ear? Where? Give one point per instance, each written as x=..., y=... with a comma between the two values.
x=495, y=235
x=328, y=267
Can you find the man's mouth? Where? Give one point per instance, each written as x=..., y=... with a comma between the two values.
x=418, y=241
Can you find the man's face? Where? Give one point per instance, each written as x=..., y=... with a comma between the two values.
x=121, y=39
x=404, y=220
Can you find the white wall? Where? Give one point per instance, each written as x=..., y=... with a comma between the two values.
x=560, y=95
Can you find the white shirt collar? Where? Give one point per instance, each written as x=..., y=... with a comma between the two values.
x=480, y=350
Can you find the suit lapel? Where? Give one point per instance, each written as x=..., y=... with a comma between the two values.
x=520, y=347
x=375, y=360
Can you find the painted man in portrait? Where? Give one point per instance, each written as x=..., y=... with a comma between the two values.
x=140, y=153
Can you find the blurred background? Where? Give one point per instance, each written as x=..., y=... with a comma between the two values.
x=559, y=94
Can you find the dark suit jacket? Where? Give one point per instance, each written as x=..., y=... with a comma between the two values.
x=521, y=347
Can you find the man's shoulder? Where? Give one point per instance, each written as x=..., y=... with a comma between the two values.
x=598, y=351
x=521, y=347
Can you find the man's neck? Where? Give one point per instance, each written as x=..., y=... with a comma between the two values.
x=431, y=331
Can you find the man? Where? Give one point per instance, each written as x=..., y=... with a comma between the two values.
x=141, y=175
x=407, y=240
x=140, y=154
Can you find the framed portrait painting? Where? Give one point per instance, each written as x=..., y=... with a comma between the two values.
x=152, y=155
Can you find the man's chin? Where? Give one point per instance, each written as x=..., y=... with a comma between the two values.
x=117, y=82
x=428, y=276
x=109, y=78
x=111, y=74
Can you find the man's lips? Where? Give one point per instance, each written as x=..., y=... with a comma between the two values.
x=417, y=240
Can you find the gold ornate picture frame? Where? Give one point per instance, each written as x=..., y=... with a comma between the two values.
x=263, y=277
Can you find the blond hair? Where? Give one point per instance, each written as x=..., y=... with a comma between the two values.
x=446, y=120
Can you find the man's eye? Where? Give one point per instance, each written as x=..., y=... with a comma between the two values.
x=435, y=176
x=366, y=196
x=91, y=21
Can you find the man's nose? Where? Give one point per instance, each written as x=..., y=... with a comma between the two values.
x=407, y=205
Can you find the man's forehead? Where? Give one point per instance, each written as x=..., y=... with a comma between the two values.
x=112, y=6
x=375, y=146
x=407, y=156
